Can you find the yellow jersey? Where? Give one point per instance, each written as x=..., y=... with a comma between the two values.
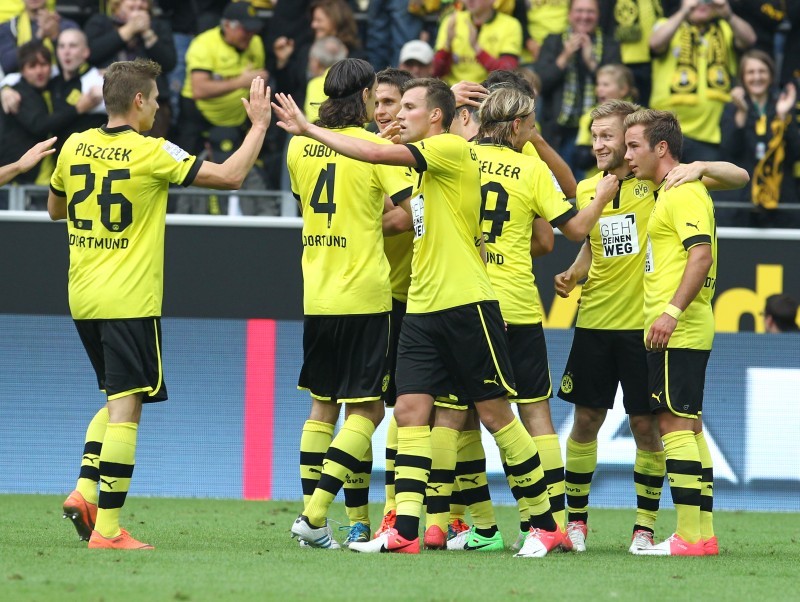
x=682, y=218
x=116, y=182
x=612, y=297
x=515, y=189
x=502, y=34
x=398, y=250
x=446, y=269
x=546, y=17
x=210, y=52
x=341, y=199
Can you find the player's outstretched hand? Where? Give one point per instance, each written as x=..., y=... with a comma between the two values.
x=258, y=108
x=36, y=153
x=685, y=172
x=291, y=117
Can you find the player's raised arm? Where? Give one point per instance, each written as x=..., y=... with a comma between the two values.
x=231, y=174
x=293, y=121
x=26, y=162
x=716, y=175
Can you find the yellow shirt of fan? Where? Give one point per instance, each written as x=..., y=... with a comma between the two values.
x=341, y=200
x=116, y=182
x=546, y=17
x=612, y=297
x=446, y=269
x=515, y=189
x=210, y=52
x=500, y=35
x=682, y=218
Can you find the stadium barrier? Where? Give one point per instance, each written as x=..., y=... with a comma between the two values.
x=232, y=352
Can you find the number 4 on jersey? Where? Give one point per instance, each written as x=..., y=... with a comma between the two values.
x=325, y=181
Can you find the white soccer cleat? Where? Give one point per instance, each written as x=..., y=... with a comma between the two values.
x=459, y=541
x=517, y=545
x=674, y=546
x=320, y=537
x=388, y=541
x=576, y=533
x=538, y=543
x=641, y=540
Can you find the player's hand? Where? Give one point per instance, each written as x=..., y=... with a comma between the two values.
x=10, y=99
x=469, y=93
x=291, y=117
x=685, y=172
x=258, y=107
x=660, y=332
x=565, y=283
x=391, y=132
x=607, y=188
x=36, y=153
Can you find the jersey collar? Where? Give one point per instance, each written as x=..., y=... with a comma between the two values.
x=117, y=130
x=493, y=142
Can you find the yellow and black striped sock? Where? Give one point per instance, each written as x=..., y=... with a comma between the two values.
x=412, y=468
x=342, y=460
x=581, y=464
x=522, y=505
x=685, y=475
x=89, y=476
x=314, y=442
x=471, y=476
x=458, y=509
x=440, y=483
x=525, y=469
x=648, y=479
x=356, y=491
x=117, y=459
x=707, y=499
x=553, y=465
x=391, y=454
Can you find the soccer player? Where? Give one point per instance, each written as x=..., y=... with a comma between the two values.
x=111, y=184
x=27, y=161
x=347, y=296
x=608, y=348
x=453, y=338
x=516, y=189
x=679, y=280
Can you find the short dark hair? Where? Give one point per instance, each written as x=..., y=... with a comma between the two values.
x=343, y=86
x=505, y=78
x=123, y=80
x=393, y=77
x=658, y=126
x=783, y=311
x=437, y=96
x=33, y=52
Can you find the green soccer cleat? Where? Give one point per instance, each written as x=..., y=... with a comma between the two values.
x=475, y=542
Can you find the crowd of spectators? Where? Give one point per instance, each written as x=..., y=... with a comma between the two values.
x=727, y=68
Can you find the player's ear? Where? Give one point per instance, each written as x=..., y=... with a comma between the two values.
x=436, y=115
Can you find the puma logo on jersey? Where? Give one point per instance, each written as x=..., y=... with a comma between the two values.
x=695, y=225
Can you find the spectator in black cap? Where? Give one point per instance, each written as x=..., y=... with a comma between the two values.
x=780, y=314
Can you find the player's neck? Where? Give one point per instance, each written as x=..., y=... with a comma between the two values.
x=622, y=172
x=117, y=121
x=664, y=167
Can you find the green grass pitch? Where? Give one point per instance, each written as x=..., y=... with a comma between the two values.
x=220, y=550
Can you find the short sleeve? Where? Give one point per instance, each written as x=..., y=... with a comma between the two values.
x=690, y=217
x=170, y=162
x=548, y=198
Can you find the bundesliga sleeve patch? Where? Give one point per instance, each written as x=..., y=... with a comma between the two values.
x=175, y=151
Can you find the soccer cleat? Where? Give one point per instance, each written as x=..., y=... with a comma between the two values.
x=388, y=541
x=517, y=545
x=538, y=543
x=435, y=538
x=82, y=514
x=357, y=532
x=475, y=542
x=641, y=540
x=456, y=528
x=711, y=547
x=123, y=541
x=674, y=546
x=319, y=537
x=576, y=533
x=387, y=523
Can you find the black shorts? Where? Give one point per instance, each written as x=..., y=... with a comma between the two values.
x=398, y=313
x=126, y=356
x=677, y=379
x=346, y=358
x=529, y=362
x=601, y=360
x=461, y=351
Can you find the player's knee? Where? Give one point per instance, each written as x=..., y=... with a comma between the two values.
x=586, y=424
x=646, y=432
